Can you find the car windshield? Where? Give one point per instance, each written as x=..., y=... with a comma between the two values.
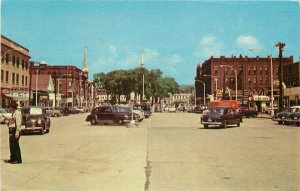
x=295, y=110
x=216, y=110
x=124, y=109
x=2, y=110
x=36, y=111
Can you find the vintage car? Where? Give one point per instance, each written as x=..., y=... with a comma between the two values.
x=35, y=120
x=248, y=111
x=222, y=113
x=283, y=117
x=294, y=116
x=287, y=116
x=111, y=115
x=172, y=109
x=200, y=109
x=4, y=115
x=53, y=112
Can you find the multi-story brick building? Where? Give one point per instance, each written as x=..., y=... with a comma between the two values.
x=71, y=85
x=253, y=78
x=14, y=76
x=291, y=78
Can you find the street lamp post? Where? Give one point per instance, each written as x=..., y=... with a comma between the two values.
x=271, y=62
x=235, y=75
x=36, y=86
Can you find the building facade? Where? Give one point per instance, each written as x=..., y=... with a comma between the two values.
x=291, y=78
x=71, y=85
x=14, y=76
x=251, y=76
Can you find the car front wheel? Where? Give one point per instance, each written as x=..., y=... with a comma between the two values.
x=93, y=121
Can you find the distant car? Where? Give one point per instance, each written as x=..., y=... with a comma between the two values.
x=294, y=116
x=172, y=109
x=248, y=111
x=140, y=113
x=221, y=116
x=35, y=120
x=4, y=115
x=199, y=109
x=190, y=109
x=283, y=117
x=53, y=112
x=111, y=115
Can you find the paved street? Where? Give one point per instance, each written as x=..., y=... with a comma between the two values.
x=168, y=152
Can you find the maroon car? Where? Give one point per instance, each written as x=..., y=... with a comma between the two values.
x=110, y=115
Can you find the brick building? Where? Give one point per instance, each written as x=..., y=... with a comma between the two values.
x=253, y=79
x=291, y=78
x=71, y=85
x=14, y=76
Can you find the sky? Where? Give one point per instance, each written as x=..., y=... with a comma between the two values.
x=174, y=36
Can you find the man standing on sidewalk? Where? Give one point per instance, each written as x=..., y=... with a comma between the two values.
x=14, y=127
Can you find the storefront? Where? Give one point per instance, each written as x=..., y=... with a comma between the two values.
x=260, y=102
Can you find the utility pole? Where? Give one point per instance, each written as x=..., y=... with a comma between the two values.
x=280, y=46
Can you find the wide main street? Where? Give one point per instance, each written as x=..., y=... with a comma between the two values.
x=167, y=152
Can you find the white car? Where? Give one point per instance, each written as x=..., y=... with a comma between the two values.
x=140, y=113
x=172, y=109
x=4, y=115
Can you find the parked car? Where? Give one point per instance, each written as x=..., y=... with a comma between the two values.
x=200, y=109
x=172, y=109
x=53, y=112
x=248, y=111
x=190, y=109
x=221, y=116
x=269, y=109
x=111, y=115
x=283, y=117
x=139, y=113
x=35, y=120
x=294, y=116
x=5, y=115
x=64, y=110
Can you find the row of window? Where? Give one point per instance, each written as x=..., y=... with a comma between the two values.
x=181, y=97
x=250, y=71
x=16, y=61
x=251, y=81
x=15, y=78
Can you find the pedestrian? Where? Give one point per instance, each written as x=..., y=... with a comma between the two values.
x=14, y=127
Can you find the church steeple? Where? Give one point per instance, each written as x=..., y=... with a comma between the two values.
x=85, y=70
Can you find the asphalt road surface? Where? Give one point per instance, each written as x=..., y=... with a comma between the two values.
x=167, y=152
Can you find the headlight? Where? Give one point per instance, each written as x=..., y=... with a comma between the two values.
x=39, y=121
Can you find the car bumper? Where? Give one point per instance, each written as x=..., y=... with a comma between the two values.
x=211, y=123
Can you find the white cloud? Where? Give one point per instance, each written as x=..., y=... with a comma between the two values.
x=247, y=42
x=208, y=47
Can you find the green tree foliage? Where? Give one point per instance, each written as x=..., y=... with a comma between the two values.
x=123, y=82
